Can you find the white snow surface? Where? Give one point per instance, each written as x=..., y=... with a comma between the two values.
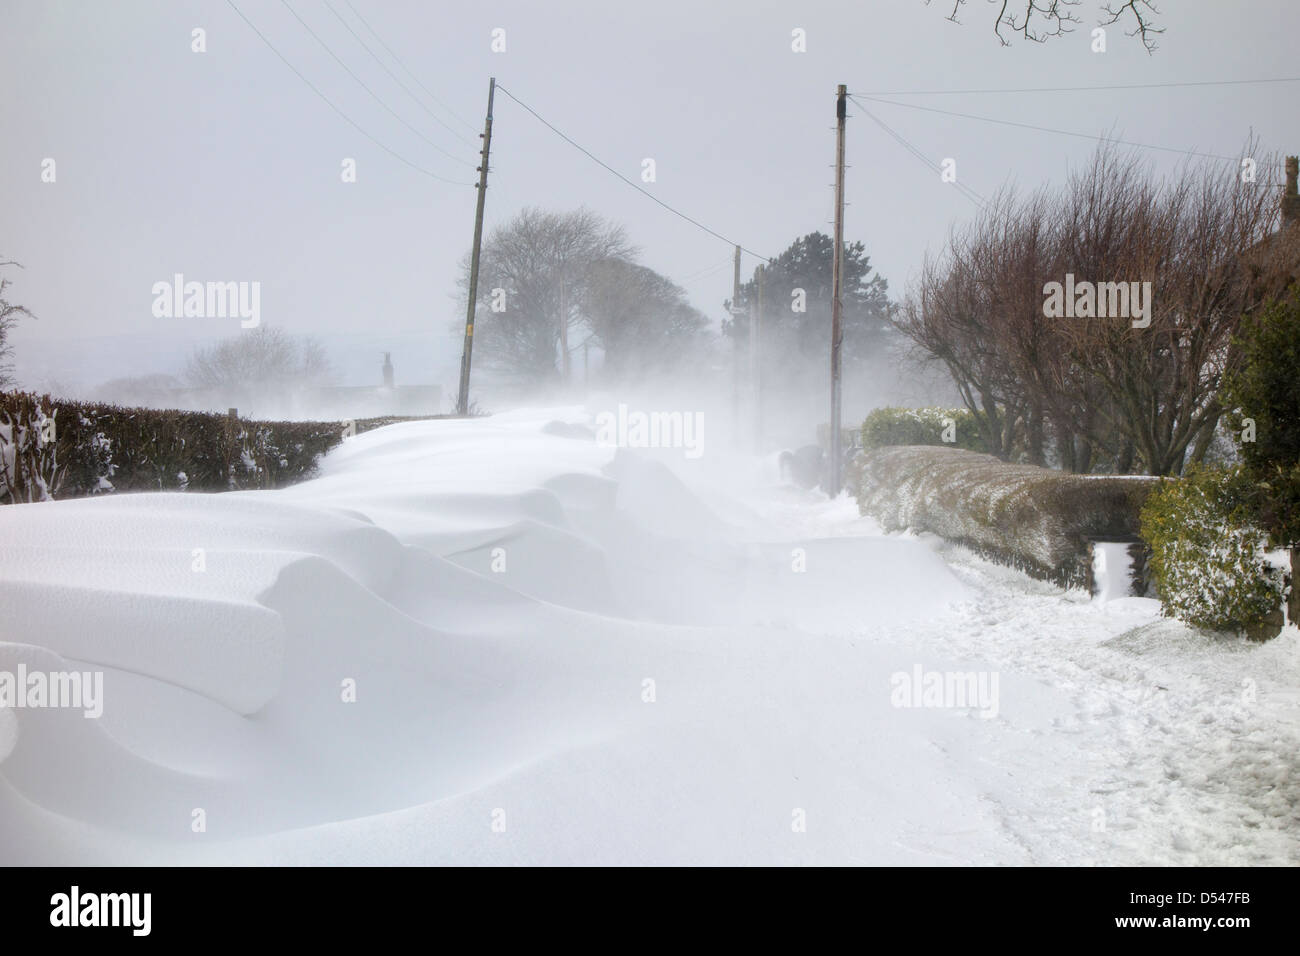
x=502, y=595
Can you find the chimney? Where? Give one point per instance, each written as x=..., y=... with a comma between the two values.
x=1290, y=198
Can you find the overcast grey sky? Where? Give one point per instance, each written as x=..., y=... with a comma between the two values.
x=226, y=166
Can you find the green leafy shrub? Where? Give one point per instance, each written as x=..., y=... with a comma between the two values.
x=1262, y=392
x=1207, y=552
x=922, y=426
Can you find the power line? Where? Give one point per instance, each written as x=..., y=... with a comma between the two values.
x=373, y=94
x=962, y=188
x=454, y=115
x=1084, y=89
x=1047, y=129
x=351, y=122
x=608, y=168
x=383, y=66
x=707, y=270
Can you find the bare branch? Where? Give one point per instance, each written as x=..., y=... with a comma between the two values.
x=1144, y=27
x=1041, y=20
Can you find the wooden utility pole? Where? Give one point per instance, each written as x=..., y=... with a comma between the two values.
x=462, y=401
x=735, y=349
x=834, y=477
x=755, y=358
x=565, y=363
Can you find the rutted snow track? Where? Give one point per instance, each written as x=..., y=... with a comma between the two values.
x=1181, y=746
x=562, y=655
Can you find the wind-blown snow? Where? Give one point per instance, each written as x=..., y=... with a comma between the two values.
x=501, y=593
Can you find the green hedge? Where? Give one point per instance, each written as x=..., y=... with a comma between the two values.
x=1207, y=553
x=921, y=426
x=1032, y=518
x=56, y=448
x=1262, y=388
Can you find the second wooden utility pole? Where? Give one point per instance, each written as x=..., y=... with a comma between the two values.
x=735, y=349
x=834, y=479
x=566, y=361
x=756, y=358
x=462, y=399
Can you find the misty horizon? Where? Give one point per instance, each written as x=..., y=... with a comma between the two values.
x=230, y=171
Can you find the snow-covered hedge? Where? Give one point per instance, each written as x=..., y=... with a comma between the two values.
x=1209, y=556
x=1036, y=519
x=955, y=427
x=54, y=448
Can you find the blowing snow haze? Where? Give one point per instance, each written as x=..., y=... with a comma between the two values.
x=836, y=433
x=224, y=165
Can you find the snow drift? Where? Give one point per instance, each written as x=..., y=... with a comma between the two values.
x=494, y=641
x=449, y=604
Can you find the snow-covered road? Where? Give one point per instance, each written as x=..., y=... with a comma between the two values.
x=494, y=641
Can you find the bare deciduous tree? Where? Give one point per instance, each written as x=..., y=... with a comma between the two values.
x=9, y=315
x=640, y=318
x=262, y=360
x=1102, y=391
x=532, y=281
x=1041, y=20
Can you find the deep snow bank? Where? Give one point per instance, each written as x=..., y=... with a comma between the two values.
x=456, y=616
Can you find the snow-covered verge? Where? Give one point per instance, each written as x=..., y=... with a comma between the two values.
x=1037, y=519
x=494, y=641
x=1161, y=744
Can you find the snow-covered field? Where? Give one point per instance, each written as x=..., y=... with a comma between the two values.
x=494, y=641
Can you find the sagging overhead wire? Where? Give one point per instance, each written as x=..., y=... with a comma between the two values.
x=428, y=92
x=1084, y=89
x=384, y=66
x=328, y=102
x=962, y=188
x=373, y=95
x=1048, y=129
x=610, y=169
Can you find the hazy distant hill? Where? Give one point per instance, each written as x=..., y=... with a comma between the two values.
x=77, y=366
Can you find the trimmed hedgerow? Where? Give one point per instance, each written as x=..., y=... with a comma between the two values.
x=55, y=448
x=922, y=426
x=1038, y=520
x=1208, y=552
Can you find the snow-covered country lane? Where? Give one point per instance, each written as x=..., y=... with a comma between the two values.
x=494, y=641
